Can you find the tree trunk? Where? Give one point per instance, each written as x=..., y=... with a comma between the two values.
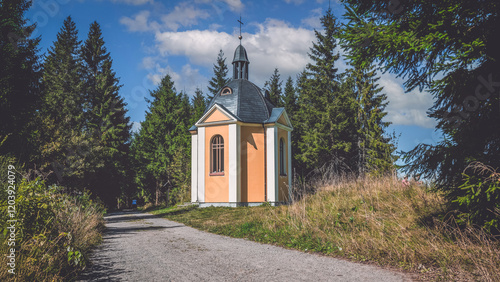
x=168, y=195
x=157, y=193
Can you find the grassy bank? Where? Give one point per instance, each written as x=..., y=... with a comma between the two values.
x=373, y=220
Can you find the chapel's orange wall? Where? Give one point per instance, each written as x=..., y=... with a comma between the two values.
x=216, y=116
x=283, y=180
x=252, y=164
x=216, y=187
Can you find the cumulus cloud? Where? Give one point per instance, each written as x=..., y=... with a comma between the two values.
x=406, y=108
x=275, y=44
x=200, y=46
x=186, y=80
x=139, y=22
x=221, y=6
x=183, y=15
x=136, y=127
x=314, y=20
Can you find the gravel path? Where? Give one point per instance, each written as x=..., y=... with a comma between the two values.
x=141, y=247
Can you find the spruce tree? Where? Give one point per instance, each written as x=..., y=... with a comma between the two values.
x=373, y=146
x=291, y=107
x=19, y=80
x=326, y=112
x=450, y=48
x=64, y=146
x=163, y=133
x=290, y=97
x=107, y=122
x=220, y=76
x=199, y=104
x=273, y=85
x=180, y=166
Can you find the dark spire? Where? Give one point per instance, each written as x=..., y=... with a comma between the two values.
x=241, y=23
x=240, y=60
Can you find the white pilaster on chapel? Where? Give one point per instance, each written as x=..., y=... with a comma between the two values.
x=234, y=157
x=201, y=164
x=271, y=159
x=194, y=168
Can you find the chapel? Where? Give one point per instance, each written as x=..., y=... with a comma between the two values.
x=241, y=146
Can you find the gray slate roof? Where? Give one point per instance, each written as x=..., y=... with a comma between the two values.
x=275, y=115
x=246, y=102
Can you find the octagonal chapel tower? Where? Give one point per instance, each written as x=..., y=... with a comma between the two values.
x=241, y=146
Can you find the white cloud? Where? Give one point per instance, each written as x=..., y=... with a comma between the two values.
x=221, y=6
x=234, y=5
x=133, y=2
x=136, y=126
x=200, y=46
x=314, y=21
x=148, y=62
x=187, y=80
x=406, y=108
x=276, y=44
x=139, y=22
x=183, y=15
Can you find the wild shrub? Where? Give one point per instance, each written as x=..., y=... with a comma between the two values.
x=479, y=197
x=54, y=232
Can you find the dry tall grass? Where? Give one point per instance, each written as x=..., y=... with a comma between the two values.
x=65, y=233
x=383, y=221
x=377, y=220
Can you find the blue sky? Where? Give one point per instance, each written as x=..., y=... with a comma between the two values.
x=150, y=38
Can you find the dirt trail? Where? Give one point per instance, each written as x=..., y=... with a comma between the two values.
x=141, y=247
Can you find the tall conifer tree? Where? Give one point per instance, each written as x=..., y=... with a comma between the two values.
x=19, y=79
x=63, y=142
x=163, y=134
x=199, y=103
x=290, y=97
x=452, y=49
x=374, y=150
x=326, y=113
x=220, y=76
x=107, y=122
x=273, y=85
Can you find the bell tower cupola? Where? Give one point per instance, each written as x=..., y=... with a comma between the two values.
x=240, y=63
x=240, y=60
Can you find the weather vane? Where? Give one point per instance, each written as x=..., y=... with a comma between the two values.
x=241, y=23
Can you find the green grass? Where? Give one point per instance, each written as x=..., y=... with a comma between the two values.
x=373, y=220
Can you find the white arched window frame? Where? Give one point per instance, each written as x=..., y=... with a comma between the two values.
x=282, y=158
x=217, y=155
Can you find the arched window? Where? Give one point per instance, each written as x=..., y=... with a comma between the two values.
x=282, y=157
x=226, y=91
x=217, y=155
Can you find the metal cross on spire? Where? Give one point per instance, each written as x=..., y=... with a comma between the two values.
x=241, y=23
